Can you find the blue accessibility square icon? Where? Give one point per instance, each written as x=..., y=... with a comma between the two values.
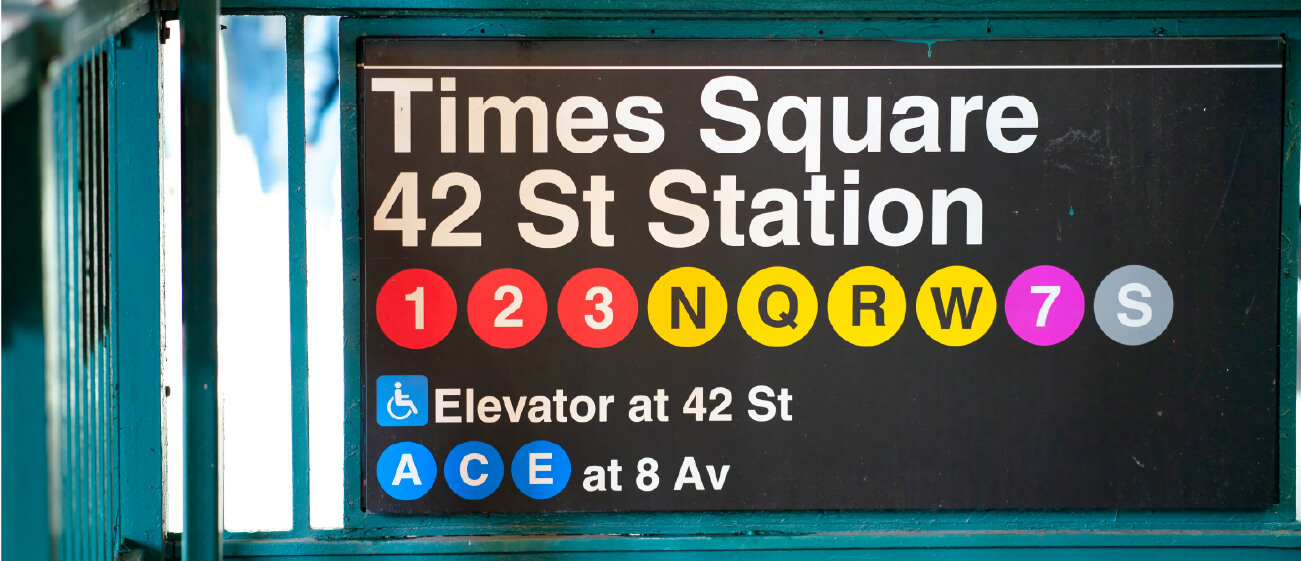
x=403, y=401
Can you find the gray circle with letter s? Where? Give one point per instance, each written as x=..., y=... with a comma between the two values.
x=1133, y=305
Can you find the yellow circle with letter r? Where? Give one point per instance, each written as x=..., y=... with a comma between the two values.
x=687, y=307
x=777, y=306
x=866, y=306
x=956, y=305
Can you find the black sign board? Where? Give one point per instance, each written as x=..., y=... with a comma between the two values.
x=774, y=275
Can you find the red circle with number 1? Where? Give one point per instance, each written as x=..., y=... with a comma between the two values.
x=416, y=308
x=507, y=308
x=597, y=308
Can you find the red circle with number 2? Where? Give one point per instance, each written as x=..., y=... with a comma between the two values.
x=597, y=308
x=416, y=308
x=507, y=308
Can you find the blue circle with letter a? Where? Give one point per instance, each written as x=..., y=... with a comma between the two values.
x=540, y=469
x=473, y=470
x=406, y=471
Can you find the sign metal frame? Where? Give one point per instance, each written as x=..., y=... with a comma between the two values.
x=1257, y=528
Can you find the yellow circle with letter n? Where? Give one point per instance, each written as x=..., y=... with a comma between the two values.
x=687, y=307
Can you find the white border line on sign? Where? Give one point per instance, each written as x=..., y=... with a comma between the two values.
x=1029, y=67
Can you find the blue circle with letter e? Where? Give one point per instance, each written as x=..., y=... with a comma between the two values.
x=406, y=471
x=540, y=469
x=473, y=470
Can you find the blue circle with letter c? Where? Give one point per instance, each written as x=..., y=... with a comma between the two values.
x=473, y=470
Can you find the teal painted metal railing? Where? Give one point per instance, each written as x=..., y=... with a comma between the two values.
x=85, y=399
x=106, y=383
x=855, y=530
x=101, y=305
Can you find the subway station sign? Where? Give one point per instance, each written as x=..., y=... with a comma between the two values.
x=685, y=275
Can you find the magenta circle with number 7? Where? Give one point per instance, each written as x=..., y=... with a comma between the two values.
x=1044, y=305
x=416, y=308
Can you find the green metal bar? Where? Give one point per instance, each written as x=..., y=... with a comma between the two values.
x=137, y=256
x=73, y=366
x=106, y=449
x=25, y=510
x=90, y=241
x=912, y=8
x=951, y=554
x=111, y=284
x=298, y=382
x=79, y=386
x=80, y=364
x=866, y=541
x=1287, y=397
x=201, y=540
x=350, y=206
x=67, y=370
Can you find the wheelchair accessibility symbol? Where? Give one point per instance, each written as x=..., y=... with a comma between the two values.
x=402, y=401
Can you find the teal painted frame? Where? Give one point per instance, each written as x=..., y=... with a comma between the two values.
x=767, y=8
x=1280, y=518
x=914, y=21
x=137, y=215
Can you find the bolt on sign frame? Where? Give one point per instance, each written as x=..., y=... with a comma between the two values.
x=973, y=534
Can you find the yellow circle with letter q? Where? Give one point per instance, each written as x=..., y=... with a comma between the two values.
x=687, y=307
x=866, y=306
x=956, y=305
x=777, y=306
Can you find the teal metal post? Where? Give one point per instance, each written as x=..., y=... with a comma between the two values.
x=298, y=272
x=25, y=516
x=136, y=230
x=201, y=540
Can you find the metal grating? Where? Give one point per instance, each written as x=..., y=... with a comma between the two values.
x=87, y=375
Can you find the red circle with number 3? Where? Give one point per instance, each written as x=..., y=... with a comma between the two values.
x=416, y=308
x=597, y=308
x=507, y=308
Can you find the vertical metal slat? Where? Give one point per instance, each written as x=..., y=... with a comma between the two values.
x=73, y=329
x=70, y=276
x=105, y=313
x=77, y=453
x=201, y=540
x=110, y=295
x=94, y=368
x=104, y=364
x=294, y=70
